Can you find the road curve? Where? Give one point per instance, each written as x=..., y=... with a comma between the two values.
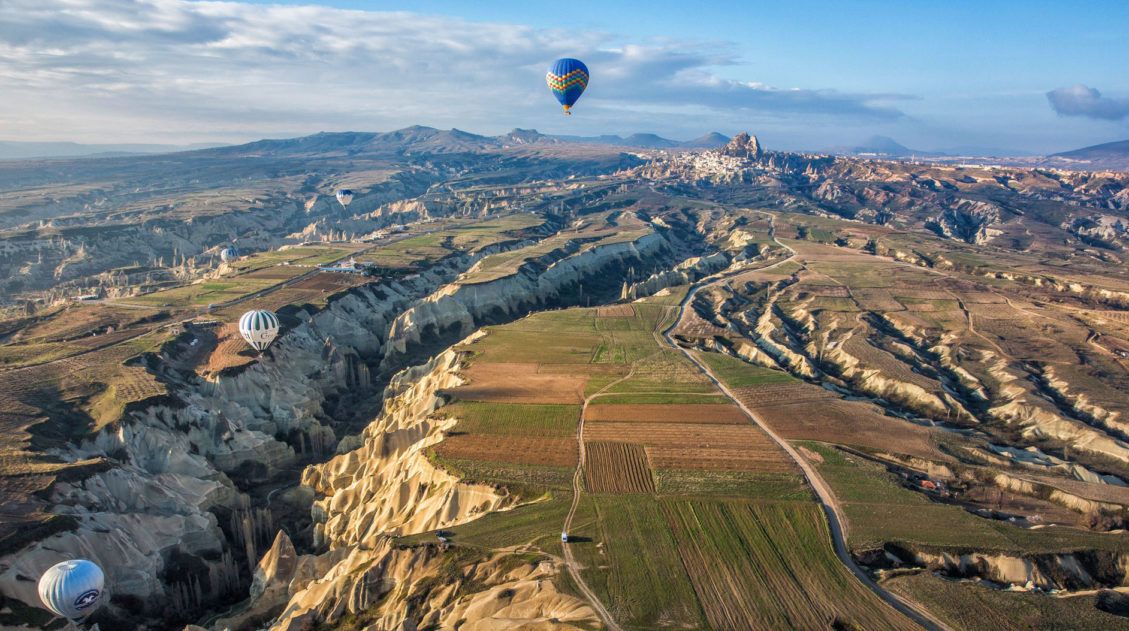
x=827, y=498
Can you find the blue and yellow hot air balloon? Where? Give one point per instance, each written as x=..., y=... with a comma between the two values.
x=567, y=78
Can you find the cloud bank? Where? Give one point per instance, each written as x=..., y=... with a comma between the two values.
x=1079, y=100
x=158, y=70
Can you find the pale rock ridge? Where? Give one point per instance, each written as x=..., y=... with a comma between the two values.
x=388, y=486
x=173, y=458
x=1080, y=404
x=874, y=382
x=457, y=309
x=1045, y=571
x=379, y=583
x=966, y=220
x=688, y=271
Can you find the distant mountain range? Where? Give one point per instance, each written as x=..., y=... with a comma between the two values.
x=417, y=139
x=712, y=140
x=420, y=139
x=1110, y=155
x=15, y=150
x=886, y=147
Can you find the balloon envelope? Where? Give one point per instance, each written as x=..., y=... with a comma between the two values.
x=567, y=79
x=344, y=196
x=229, y=254
x=259, y=328
x=72, y=589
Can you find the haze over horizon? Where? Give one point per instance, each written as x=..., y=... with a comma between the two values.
x=1035, y=77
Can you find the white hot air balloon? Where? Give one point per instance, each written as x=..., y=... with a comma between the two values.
x=229, y=254
x=259, y=328
x=344, y=196
x=72, y=589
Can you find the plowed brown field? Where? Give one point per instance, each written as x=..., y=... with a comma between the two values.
x=801, y=411
x=519, y=383
x=560, y=452
x=667, y=413
x=617, y=468
x=697, y=446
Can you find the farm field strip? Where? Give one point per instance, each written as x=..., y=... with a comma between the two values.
x=611, y=467
x=723, y=414
x=557, y=452
x=767, y=566
x=719, y=459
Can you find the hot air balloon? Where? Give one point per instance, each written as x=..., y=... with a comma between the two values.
x=229, y=254
x=259, y=327
x=567, y=78
x=72, y=589
x=344, y=196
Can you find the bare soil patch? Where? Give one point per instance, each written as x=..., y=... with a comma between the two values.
x=561, y=452
x=802, y=411
x=519, y=383
x=616, y=311
x=617, y=468
x=729, y=447
x=667, y=413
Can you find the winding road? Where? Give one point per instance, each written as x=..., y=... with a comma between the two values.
x=831, y=507
x=836, y=520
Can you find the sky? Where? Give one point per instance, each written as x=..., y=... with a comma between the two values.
x=1031, y=77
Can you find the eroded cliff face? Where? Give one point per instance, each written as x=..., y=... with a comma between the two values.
x=169, y=493
x=170, y=520
x=457, y=309
x=428, y=586
x=1083, y=570
x=387, y=486
x=966, y=220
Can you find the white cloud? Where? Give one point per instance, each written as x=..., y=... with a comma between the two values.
x=161, y=70
x=1079, y=100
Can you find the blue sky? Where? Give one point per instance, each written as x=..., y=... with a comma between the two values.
x=1021, y=76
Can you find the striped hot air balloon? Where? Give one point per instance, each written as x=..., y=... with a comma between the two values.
x=72, y=589
x=229, y=254
x=259, y=327
x=567, y=79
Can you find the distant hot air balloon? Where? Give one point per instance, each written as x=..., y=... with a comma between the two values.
x=72, y=589
x=229, y=254
x=259, y=327
x=567, y=78
x=344, y=196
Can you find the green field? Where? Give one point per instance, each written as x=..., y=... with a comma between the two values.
x=207, y=292
x=714, y=549
x=445, y=239
x=735, y=484
x=645, y=583
x=740, y=374
x=510, y=419
x=303, y=256
x=678, y=397
x=769, y=566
